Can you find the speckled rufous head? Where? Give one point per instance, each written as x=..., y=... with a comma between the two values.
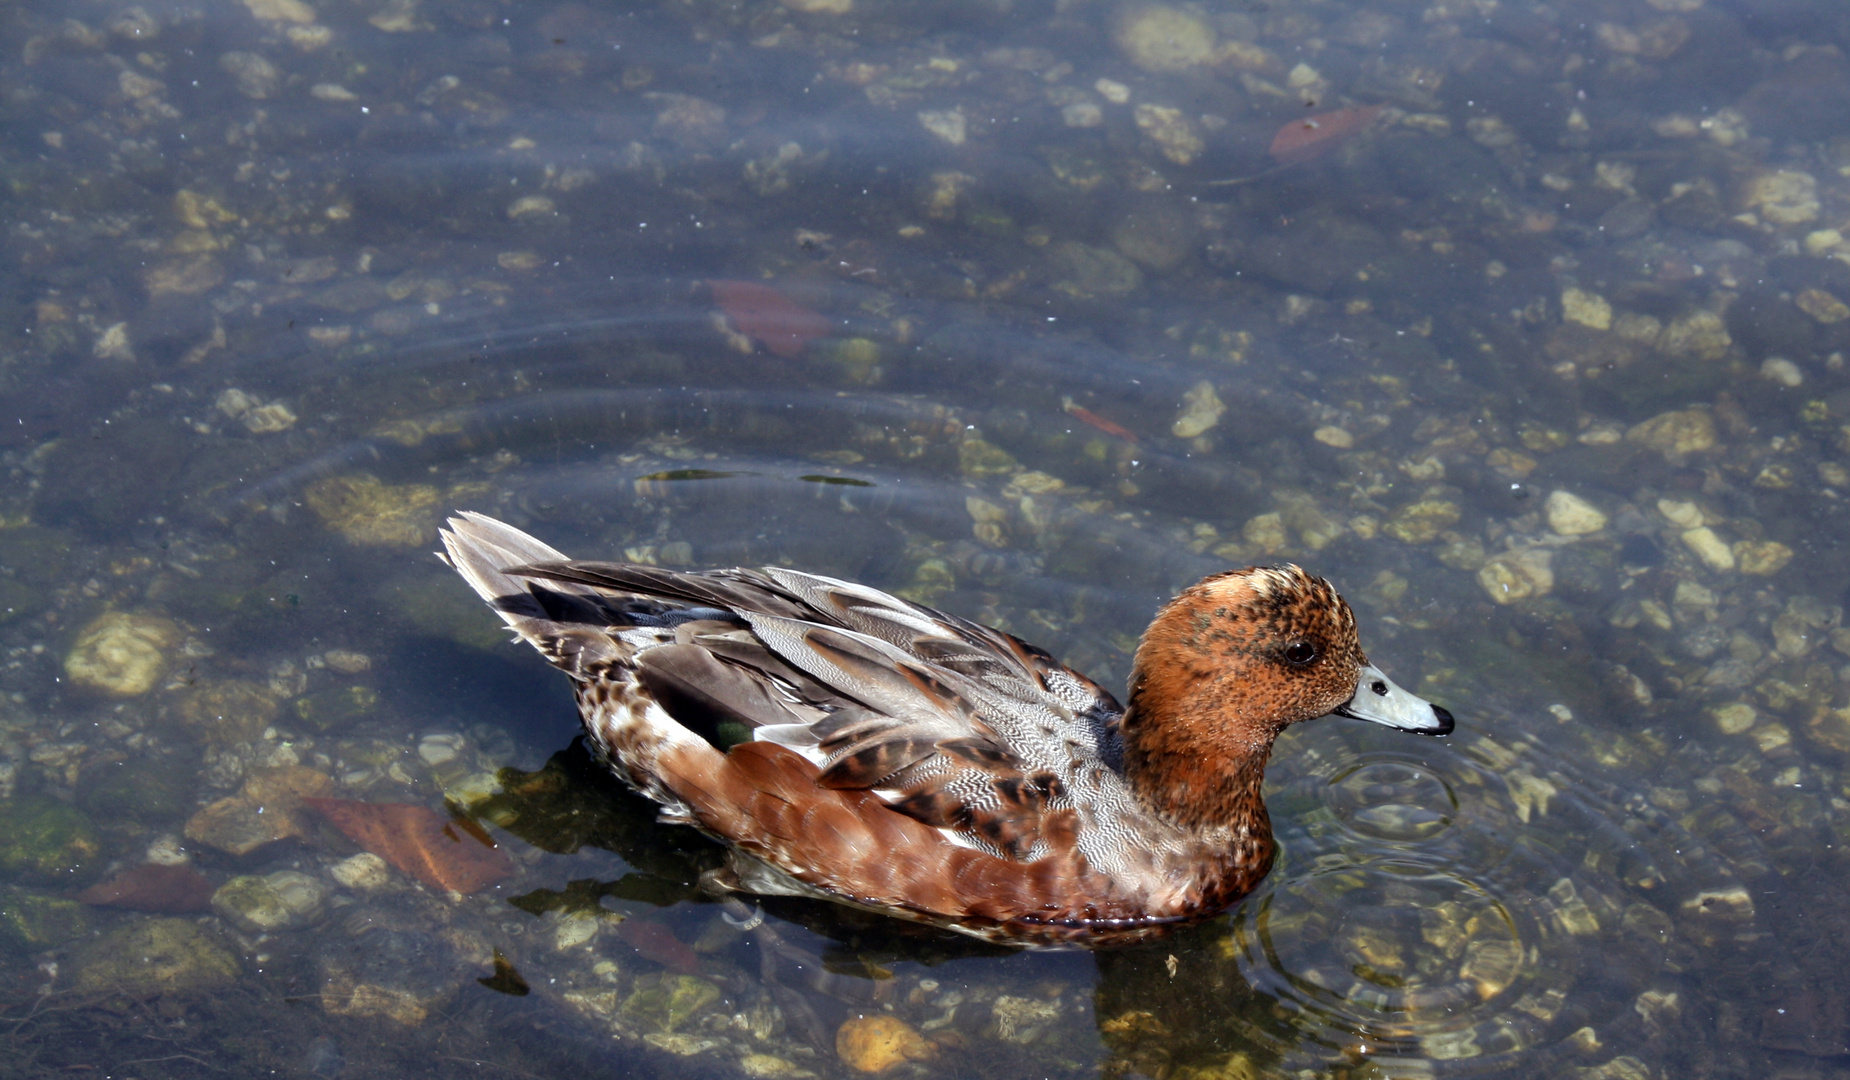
x=1227, y=665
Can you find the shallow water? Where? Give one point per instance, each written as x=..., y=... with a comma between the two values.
x=1031, y=311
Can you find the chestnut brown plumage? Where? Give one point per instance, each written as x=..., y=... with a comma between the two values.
x=850, y=745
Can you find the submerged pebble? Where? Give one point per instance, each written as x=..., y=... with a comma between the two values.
x=284, y=900
x=876, y=1043
x=1571, y=515
x=122, y=653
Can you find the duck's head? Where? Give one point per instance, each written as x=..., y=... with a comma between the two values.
x=1233, y=660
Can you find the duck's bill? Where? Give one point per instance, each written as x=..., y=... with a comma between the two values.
x=1378, y=701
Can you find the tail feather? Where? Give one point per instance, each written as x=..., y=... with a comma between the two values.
x=482, y=550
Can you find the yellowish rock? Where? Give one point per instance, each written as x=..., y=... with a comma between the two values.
x=1236, y=1066
x=872, y=1044
x=1201, y=410
x=1771, y=737
x=364, y=872
x=1784, y=197
x=344, y=995
x=288, y=11
x=950, y=125
x=1571, y=515
x=1700, y=334
x=1421, y=522
x=309, y=38
x=1780, y=370
x=398, y=17
x=1684, y=515
x=1822, y=306
x=945, y=191
x=531, y=206
x=1157, y=38
x=1762, y=558
x=1174, y=134
x=1267, y=533
x=269, y=419
x=1510, y=462
x=1831, y=728
x=819, y=7
x=977, y=456
x=183, y=277
x=1734, y=717
x=1589, y=309
x=1676, y=434
x=1518, y=575
x=366, y=511
x=1330, y=435
x=1638, y=329
x=1824, y=242
x=113, y=343
x=122, y=654
x=1316, y=528
x=1710, y=548
x=771, y=1067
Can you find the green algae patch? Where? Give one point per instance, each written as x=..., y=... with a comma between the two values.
x=32, y=921
x=47, y=842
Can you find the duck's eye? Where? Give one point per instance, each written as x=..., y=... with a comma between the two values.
x=1300, y=653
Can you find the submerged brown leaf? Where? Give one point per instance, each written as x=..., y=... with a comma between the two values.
x=173, y=890
x=421, y=842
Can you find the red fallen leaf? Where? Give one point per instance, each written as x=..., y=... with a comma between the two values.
x=1085, y=415
x=768, y=317
x=1313, y=136
x=656, y=942
x=172, y=890
x=421, y=842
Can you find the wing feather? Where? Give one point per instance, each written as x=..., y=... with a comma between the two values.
x=952, y=724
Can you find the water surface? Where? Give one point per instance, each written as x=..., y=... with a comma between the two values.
x=1522, y=322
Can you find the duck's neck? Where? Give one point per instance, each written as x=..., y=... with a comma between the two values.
x=1193, y=769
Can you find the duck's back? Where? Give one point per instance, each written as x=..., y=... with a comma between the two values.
x=856, y=745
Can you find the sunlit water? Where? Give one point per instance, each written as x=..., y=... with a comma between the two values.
x=1074, y=303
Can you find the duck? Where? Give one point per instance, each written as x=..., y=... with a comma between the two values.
x=849, y=745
